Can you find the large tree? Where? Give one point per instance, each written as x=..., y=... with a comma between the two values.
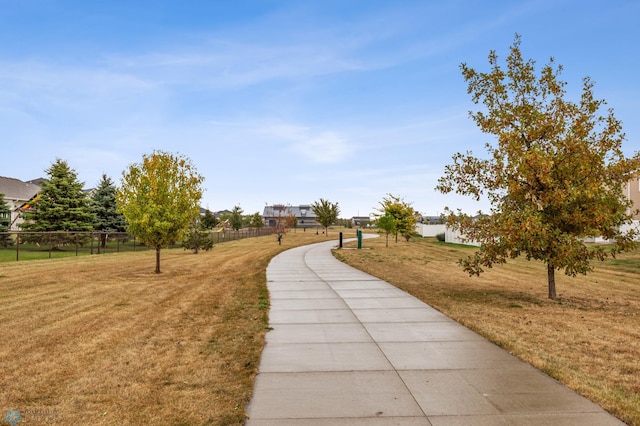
x=159, y=198
x=62, y=205
x=554, y=177
x=326, y=213
x=401, y=213
x=108, y=219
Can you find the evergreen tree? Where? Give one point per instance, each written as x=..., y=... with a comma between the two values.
x=5, y=222
x=62, y=205
x=197, y=237
x=104, y=207
x=209, y=221
x=236, y=218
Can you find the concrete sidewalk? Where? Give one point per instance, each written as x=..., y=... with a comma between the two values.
x=349, y=349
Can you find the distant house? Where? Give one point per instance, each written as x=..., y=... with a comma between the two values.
x=632, y=192
x=429, y=220
x=360, y=221
x=17, y=194
x=276, y=214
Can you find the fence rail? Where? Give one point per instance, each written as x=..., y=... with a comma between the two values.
x=18, y=245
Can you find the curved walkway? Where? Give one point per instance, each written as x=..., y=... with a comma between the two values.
x=348, y=348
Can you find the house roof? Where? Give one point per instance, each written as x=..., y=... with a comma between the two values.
x=15, y=189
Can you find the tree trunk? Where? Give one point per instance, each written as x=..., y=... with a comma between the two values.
x=551, y=275
x=158, y=259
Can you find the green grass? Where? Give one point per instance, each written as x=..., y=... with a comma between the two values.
x=453, y=245
x=9, y=254
x=631, y=264
x=35, y=252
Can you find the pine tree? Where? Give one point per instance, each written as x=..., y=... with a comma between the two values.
x=209, y=221
x=197, y=237
x=108, y=219
x=62, y=205
x=236, y=218
x=104, y=207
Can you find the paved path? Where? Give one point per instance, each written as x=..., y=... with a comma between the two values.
x=349, y=349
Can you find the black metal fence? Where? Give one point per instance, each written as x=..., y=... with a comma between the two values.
x=20, y=245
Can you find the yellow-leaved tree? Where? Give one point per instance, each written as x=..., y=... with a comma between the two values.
x=397, y=216
x=159, y=198
x=554, y=177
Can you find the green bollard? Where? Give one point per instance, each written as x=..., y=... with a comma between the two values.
x=359, y=239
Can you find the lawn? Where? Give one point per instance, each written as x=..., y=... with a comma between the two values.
x=104, y=340
x=71, y=247
x=588, y=339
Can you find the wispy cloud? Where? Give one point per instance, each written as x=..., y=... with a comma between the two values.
x=322, y=147
x=231, y=64
x=68, y=79
x=325, y=147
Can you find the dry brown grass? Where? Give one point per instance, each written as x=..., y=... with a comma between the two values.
x=589, y=339
x=104, y=340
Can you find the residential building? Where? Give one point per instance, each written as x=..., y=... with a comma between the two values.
x=360, y=221
x=429, y=220
x=277, y=214
x=17, y=194
x=632, y=191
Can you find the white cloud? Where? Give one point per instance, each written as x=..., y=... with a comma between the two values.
x=324, y=147
x=67, y=79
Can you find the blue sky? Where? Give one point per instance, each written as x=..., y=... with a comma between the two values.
x=287, y=101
